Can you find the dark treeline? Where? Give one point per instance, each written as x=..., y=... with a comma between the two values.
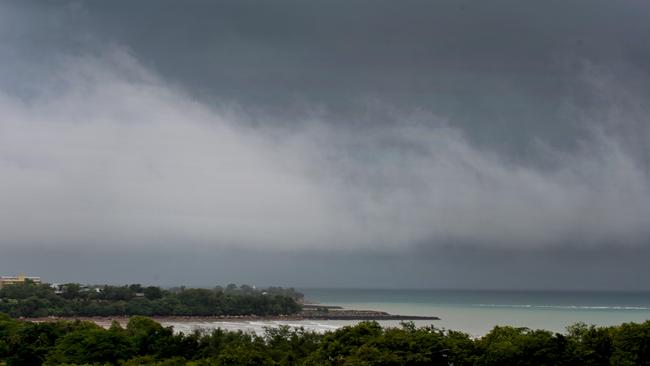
x=145, y=342
x=36, y=300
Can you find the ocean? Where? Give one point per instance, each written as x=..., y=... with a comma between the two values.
x=471, y=311
x=478, y=311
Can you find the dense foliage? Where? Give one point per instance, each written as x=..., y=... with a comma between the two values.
x=35, y=300
x=145, y=342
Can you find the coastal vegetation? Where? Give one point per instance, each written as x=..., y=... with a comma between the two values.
x=40, y=300
x=145, y=342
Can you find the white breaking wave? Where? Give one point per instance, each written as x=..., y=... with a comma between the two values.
x=259, y=327
x=565, y=307
x=255, y=327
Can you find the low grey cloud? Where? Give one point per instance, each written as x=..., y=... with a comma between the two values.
x=109, y=152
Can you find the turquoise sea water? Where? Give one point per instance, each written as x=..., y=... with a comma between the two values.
x=478, y=311
x=473, y=312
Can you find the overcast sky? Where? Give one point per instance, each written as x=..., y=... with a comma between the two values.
x=500, y=144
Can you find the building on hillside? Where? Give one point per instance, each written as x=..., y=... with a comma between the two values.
x=14, y=280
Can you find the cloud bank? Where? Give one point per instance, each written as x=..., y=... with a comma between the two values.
x=109, y=153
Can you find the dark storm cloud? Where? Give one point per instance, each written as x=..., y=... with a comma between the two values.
x=496, y=67
x=361, y=127
x=504, y=71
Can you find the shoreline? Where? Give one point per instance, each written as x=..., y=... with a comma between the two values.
x=353, y=315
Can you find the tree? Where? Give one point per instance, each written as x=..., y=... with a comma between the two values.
x=92, y=346
x=153, y=293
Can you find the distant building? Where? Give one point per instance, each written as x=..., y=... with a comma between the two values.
x=15, y=280
x=58, y=289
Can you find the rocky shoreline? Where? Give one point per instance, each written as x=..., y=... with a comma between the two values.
x=319, y=312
